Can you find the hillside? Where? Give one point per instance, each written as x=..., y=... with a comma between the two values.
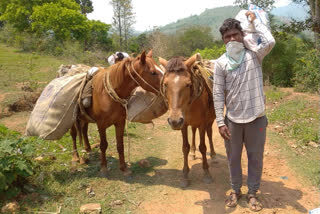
x=300, y=12
x=215, y=16
x=210, y=17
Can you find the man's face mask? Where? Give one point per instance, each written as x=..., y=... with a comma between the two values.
x=235, y=54
x=234, y=50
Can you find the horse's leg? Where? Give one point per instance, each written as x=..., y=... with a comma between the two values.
x=209, y=134
x=193, y=145
x=119, y=135
x=73, y=133
x=203, y=149
x=185, y=148
x=103, y=148
x=87, y=146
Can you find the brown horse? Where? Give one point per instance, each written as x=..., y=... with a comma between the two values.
x=111, y=88
x=190, y=104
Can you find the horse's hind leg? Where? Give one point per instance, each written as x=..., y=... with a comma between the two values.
x=209, y=134
x=84, y=127
x=103, y=148
x=193, y=145
x=73, y=133
x=120, y=148
x=203, y=149
x=185, y=148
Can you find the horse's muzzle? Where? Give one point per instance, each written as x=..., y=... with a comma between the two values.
x=176, y=124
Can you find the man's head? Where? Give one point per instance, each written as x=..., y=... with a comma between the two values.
x=120, y=56
x=231, y=31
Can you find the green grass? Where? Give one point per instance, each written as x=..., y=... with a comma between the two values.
x=18, y=68
x=299, y=120
x=274, y=94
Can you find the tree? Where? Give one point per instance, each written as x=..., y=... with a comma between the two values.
x=267, y=5
x=314, y=11
x=159, y=44
x=63, y=19
x=99, y=35
x=123, y=20
x=17, y=13
x=192, y=38
x=86, y=6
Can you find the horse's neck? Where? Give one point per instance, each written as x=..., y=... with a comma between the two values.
x=121, y=82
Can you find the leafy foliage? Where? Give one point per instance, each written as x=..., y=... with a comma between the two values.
x=60, y=19
x=15, y=162
x=212, y=53
x=307, y=76
x=86, y=6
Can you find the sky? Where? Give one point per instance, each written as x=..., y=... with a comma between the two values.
x=150, y=13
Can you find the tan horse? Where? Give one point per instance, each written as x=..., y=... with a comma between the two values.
x=190, y=104
x=106, y=107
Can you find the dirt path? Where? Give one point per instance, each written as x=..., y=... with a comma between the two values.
x=278, y=195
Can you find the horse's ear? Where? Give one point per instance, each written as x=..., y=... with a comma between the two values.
x=163, y=61
x=149, y=53
x=192, y=60
x=143, y=57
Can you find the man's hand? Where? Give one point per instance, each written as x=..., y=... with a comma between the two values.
x=224, y=132
x=251, y=16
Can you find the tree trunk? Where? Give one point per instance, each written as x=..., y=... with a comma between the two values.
x=316, y=22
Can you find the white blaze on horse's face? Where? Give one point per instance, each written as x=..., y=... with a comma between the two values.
x=178, y=93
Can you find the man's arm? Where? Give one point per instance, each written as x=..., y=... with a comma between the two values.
x=266, y=42
x=219, y=86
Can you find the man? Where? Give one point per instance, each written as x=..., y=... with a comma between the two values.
x=117, y=57
x=238, y=84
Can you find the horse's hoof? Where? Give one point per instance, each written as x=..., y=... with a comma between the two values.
x=75, y=159
x=192, y=157
x=213, y=155
x=84, y=160
x=104, y=172
x=184, y=183
x=207, y=179
x=127, y=173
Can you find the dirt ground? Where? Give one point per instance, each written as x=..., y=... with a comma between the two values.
x=282, y=191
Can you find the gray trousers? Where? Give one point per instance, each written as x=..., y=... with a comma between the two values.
x=253, y=136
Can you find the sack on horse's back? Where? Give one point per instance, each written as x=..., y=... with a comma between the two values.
x=144, y=106
x=56, y=109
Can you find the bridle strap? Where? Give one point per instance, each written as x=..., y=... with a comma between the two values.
x=143, y=80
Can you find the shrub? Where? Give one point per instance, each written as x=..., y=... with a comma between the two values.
x=15, y=162
x=307, y=76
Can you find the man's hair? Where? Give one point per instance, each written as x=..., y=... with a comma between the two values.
x=229, y=24
x=120, y=56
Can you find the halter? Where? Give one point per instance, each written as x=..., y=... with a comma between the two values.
x=140, y=77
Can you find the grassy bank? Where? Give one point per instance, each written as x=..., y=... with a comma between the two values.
x=294, y=121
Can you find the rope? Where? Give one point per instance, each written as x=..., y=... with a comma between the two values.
x=141, y=79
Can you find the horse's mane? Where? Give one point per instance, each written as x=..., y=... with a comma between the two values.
x=176, y=64
x=116, y=71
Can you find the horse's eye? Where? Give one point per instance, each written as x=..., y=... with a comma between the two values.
x=153, y=73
